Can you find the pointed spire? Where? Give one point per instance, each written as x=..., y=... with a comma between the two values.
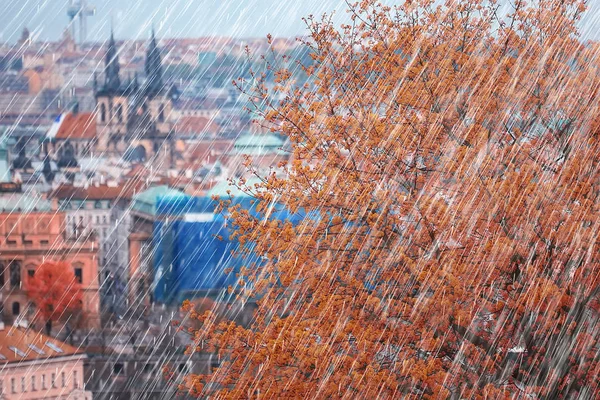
x=153, y=68
x=112, y=82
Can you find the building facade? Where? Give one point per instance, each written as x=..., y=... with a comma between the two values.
x=36, y=366
x=31, y=232
x=135, y=120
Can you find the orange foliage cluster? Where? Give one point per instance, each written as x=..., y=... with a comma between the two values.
x=54, y=291
x=447, y=159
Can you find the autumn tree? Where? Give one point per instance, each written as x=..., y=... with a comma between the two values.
x=445, y=160
x=55, y=292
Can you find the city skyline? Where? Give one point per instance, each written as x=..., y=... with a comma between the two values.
x=47, y=20
x=174, y=18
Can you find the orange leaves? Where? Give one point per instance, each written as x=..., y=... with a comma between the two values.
x=54, y=290
x=444, y=166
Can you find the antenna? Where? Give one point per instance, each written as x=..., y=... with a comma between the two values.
x=81, y=10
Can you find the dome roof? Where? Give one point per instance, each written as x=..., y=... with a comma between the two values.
x=257, y=144
x=225, y=190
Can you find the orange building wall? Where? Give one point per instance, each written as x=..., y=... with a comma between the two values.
x=30, y=239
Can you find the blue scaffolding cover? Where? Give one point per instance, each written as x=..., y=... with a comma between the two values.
x=193, y=249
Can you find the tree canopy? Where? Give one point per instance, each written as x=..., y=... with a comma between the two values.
x=55, y=291
x=446, y=157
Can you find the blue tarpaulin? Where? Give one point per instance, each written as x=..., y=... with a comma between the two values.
x=189, y=259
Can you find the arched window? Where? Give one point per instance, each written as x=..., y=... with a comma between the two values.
x=161, y=113
x=78, y=270
x=16, y=308
x=102, y=112
x=120, y=113
x=15, y=274
x=1, y=274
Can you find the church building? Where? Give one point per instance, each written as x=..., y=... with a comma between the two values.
x=135, y=121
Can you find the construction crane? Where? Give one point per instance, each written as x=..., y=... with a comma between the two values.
x=81, y=10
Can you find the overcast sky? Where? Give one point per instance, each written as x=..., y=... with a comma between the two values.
x=47, y=19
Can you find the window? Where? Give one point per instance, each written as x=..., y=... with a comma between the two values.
x=44, y=242
x=36, y=349
x=15, y=274
x=148, y=368
x=23, y=385
x=98, y=204
x=161, y=113
x=120, y=113
x=1, y=274
x=33, y=389
x=79, y=275
x=183, y=368
x=104, y=219
x=17, y=351
x=75, y=380
x=54, y=347
x=97, y=219
x=31, y=273
x=13, y=386
x=16, y=308
x=63, y=379
x=43, y=381
x=102, y=113
x=53, y=380
x=118, y=369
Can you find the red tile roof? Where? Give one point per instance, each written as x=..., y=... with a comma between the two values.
x=20, y=344
x=102, y=192
x=201, y=151
x=78, y=126
x=195, y=125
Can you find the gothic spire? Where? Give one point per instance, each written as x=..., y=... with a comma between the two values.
x=153, y=69
x=112, y=82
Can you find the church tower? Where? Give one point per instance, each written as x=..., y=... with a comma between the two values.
x=157, y=97
x=112, y=107
x=152, y=125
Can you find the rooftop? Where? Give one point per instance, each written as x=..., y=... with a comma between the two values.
x=146, y=201
x=258, y=144
x=101, y=192
x=22, y=202
x=225, y=190
x=19, y=344
x=77, y=126
x=195, y=126
x=254, y=140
